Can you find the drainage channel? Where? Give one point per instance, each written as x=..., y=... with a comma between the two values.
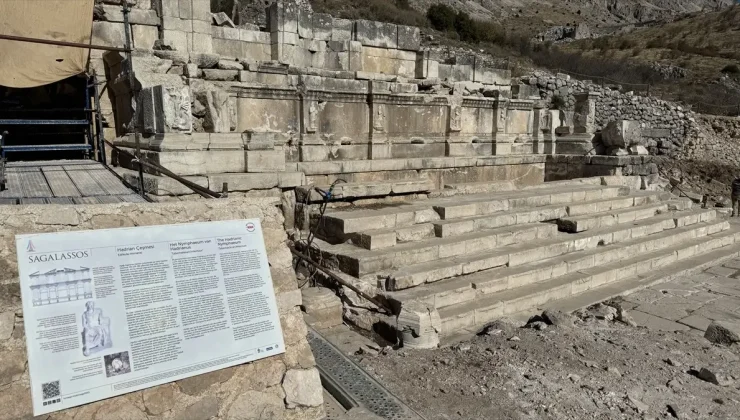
x=351, y=386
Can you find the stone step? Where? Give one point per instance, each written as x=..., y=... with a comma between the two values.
x=384, y=238
x=364, y=189
x=638, y=198
x=504, y=278
x=340, y=223
x=480, y=311
x=456, y=226
x=568, y=182
x=527, y=252
x=481, y=187
x=467, y=287
x=577, y=224
x=482, y=205
x=523, y=254
x=360, y=262
x=681, y=268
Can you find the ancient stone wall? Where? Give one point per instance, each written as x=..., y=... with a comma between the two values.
x=666, y=126
x=719, y=140
x=282, y=387
x=310, y=99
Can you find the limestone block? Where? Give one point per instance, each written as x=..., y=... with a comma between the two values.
x=283, y=17
x=291, y=179
x=228, y=48
x=638, y=150
x=150, y=64
x=244, y=182
x=230, y=65
x=202, y=42
x=192, y=71
x=220, y=75
x=180, y=41
x=186, y=9
x=178, y=58
x=426, y=68
x=322, y=26
x=621, y=134
x=202, y=10
x=455, y=72
x=164, y=110
x=222, y=19
x=409, y=38
x=177, y=24
x=108, y=33
x=341, y=29
x=217, y=116
x=256, y=37
x=225, y=33
x=266, y=160
x=268, y=79
x=491, y=76
x=419, y=326
x=303, y=388
x=144, y=36
x=135, y=17
x=170, y=8
x=225, y=141
x=202, y=27
x=305, y=24
x=282, y=37
x=323, y=305
x=376, y=34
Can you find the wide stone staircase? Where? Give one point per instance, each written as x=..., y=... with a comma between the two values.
x=484, y=251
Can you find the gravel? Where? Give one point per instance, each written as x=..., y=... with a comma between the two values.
x=594, y=368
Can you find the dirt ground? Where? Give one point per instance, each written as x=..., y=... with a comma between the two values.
x=588, y=367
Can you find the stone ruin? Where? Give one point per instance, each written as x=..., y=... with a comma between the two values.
x=442, y=212
x=313, y=98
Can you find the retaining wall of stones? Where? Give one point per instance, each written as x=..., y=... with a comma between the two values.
x=719, y=140
x=285, y=387
x=666, y=126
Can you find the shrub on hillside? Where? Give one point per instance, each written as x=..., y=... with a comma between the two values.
x=627, y=44
x=731, y=68
x=393, y=11
x=442, y=17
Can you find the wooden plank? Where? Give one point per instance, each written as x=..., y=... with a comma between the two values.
x=13, y=186
x=60, y=200
x=110, y=183
x=59, y=182
x=85, y=200
x=32, y=201
x=84, y=182
x=132, y=198
x=8, y=201
x=33, y=183
x=108, y=199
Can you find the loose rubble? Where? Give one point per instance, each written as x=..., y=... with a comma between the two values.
x=597, y=367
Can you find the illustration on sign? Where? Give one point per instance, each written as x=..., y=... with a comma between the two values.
x=139, y=307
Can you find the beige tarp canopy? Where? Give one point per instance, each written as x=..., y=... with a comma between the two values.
x=23, y=64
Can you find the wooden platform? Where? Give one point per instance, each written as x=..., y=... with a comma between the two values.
x=64, y=182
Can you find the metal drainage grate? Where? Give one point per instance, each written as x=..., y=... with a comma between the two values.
x=342, y=376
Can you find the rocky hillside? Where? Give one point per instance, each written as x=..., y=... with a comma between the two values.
x=694, y=59
x=521, y=15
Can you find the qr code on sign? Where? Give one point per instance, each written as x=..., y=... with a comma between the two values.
x=50, y=390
